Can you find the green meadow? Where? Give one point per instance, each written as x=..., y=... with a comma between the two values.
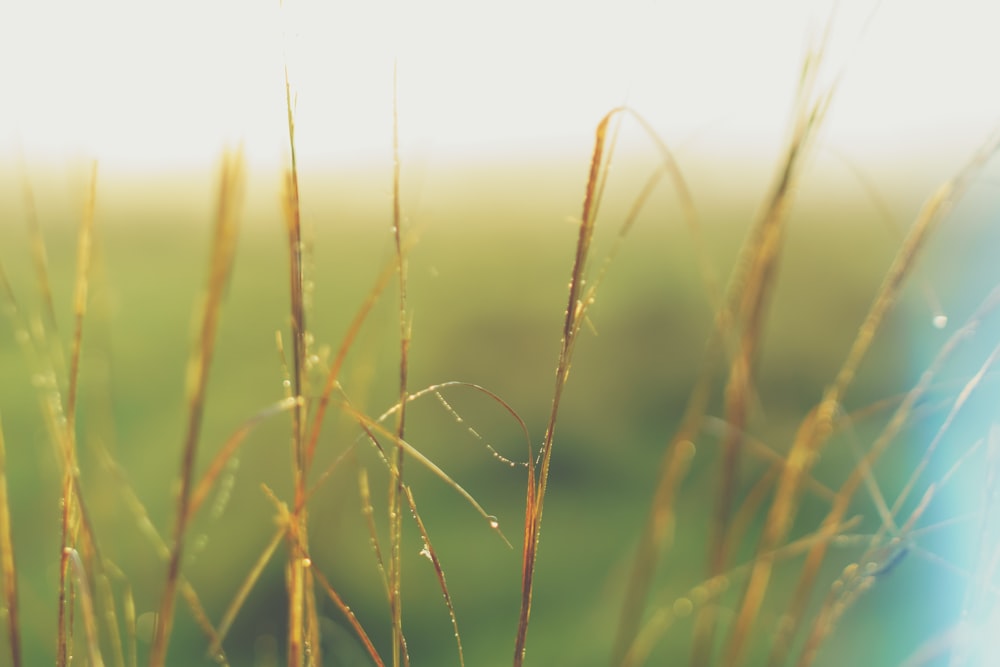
x=489, y=254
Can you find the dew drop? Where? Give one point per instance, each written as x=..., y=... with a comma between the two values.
x=426, y=553
x=307, y=562
x=287, y=384
x=940, y=321
x=494, y=524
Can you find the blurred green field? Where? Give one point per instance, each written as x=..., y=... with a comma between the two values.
x=487, y=290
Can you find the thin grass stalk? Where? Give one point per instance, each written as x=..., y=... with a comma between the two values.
x=750, y=294
x=83, y=260
x=818, y=425
x=368, y=511
x=8, y=564
x=87, y=607
x=895, y=228
x=40, y=261
x=571, y=326
x=432, y=556
x=131, y=634
x=754, y=295
x=877, y=560
x=228, y=451
x=657, y=534
x=303, y=634
x=65, y=429
x=220, y=266
x=372, y=427
x=396, y=492
x=148, y=530
x=960, y=401
x=698, y=597
x=229, y=616
x=114, y=622
x=351, y=618
x=935, y=208
x=979, y=604
x=112, y=630
x=333, y=375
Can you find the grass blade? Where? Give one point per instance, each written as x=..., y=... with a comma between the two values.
x=220, y=265
x=8, y=564
x=571, y=326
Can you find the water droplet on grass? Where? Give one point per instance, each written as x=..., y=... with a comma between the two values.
x=940, y=321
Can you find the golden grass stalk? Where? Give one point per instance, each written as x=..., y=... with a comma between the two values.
x=106, y=598
x=228, y=450
x=936, y=208
x=400, y=655
x=220, y=266
x=87, y=608
x=229, y=616
x=751, y=289
x=148, y=530
x=39, y=258
x=8, y=564
x=535, y=500
x=66, y=434
x=113, y=627
x=749, y=295
x=816, y=428
x=303, y=627
x=699, y=596
x=128, y=611
x=351, y=618
x=333, y=375
x=368, y=511
x=658, y=532
x=879, y=559
x=432, y=556
x=373, y=427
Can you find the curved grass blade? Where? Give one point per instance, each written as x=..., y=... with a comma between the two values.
x=431, y=555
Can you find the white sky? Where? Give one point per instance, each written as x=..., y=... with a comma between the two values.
x=139, y=83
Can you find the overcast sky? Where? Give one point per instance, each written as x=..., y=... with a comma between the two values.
x=156, y=83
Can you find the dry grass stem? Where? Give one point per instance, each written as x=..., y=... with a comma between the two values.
x=221, y=259
x=8, y=564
